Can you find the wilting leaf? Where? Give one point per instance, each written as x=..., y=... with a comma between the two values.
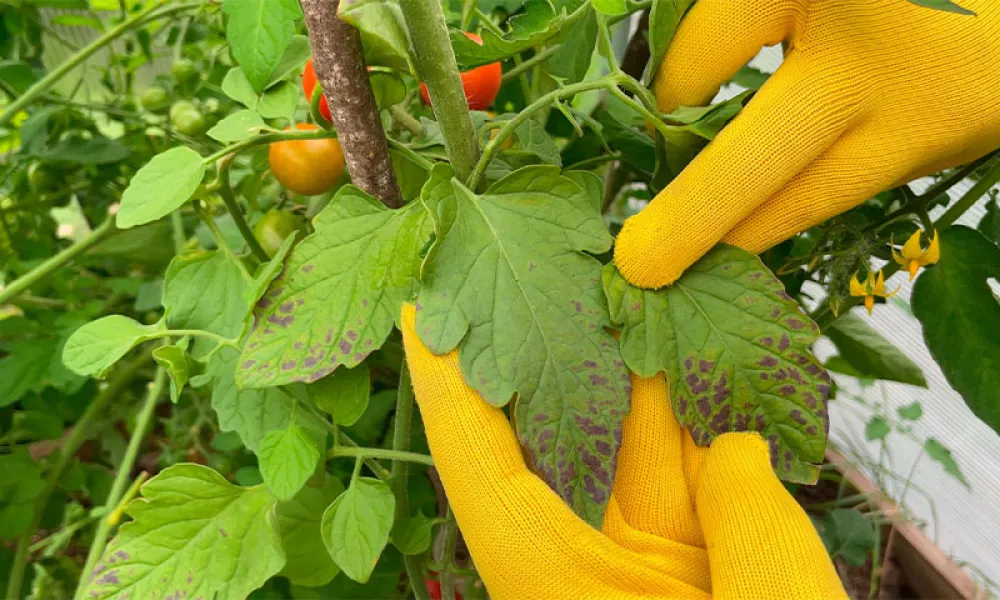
x=508, y=283
x=735, y=349
x=194, y=534
x=961, y=318
x=340, y=293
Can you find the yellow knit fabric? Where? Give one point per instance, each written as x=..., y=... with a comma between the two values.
x=872, y=93
x=683, y=521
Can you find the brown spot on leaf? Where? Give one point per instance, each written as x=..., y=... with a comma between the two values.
x=794, y=323
x=705, y=366
x=796, y=416
x=282, y=322
x=704, y=407
x=784, y=342
x=767, y=341
x=768, y=361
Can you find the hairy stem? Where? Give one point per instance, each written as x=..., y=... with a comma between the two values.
x=439, y=70
x=21, y=284
x=448, y=558
x=380, y=453
x=226, y=191
x=340, y=67
x=79, y=434
x=122, y=477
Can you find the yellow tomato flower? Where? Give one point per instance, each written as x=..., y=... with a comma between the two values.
x=872, y=287
x=912, y=257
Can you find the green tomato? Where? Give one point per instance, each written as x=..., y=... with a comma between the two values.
x=40, y=178
x=154, y=98
x=276, y=225
x=181, y=106
x=184, y=71
x=188, y=120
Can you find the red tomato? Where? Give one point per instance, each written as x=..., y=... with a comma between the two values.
x=307, y=167
x=481, y=84
x=434, y=589
x=308, y=83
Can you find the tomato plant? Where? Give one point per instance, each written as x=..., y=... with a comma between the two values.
x=202, y=383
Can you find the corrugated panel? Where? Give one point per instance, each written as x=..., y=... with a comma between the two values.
x=964, y=522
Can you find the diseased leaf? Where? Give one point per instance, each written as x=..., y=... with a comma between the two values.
x=942, y=455
x=253, y=413
x=238, y=126
x=164, y=184
x=961, y=318
x=288, y=458
x=536, y=25
x=259, y=32
x=508, y=283
x=383, y=32
x=194, y=534
x=95, y=347
x=344, y=394
x=309, y=563
x=735, y=348
x=356, y=526
x=205, y=290
x=871, y=354
x=340, y=293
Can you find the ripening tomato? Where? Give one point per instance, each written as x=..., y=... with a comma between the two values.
x=481, y=85
x=308, y=84
x=434, y=589
x=307, y=167
x=276, y=225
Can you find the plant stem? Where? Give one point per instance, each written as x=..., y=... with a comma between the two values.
x=269, y=138
x=410, y=154
x=220, y=240
x=379, y=453
x=19, y=285
x=405, y=119
x=340, y=67
x=528, y=64
x=402, y=423
x=122, y=477
x=43, y=84
x=226, y=191
x=984, y=185
x=77, y=436
x=448, y=558
x=439, y=70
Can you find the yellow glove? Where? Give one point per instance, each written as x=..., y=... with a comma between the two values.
x=872, y=93
x=682, y=522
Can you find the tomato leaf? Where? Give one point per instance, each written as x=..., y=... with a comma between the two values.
x=945, y=5
x=344, y=394
x=24, y=368
x=610, y=7
x=288, y=458
x=95, y=347
x=846, y=533
x=193, y=534
x=309, y=563
x=877, y=428
x=164, y=184
x=179, y=366
x=238, y=126
x=664, y=17
x=910, y=412
x=942, y=455
x=259, y=32
x=413, y=535
x=383, y=32
x=508, y=283
x=356, y=526
x=735, y=349
x=869, y=353
x=340, y=293
x=236, y=85
x=204, y=290
x=296, y=55
x=254, y=413
x=536, y=25
x=953, y=301
x=572, y=60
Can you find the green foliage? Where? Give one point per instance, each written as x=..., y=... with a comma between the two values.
x=309, y=564
x=725, y=326
x=942, y=456
x=186, y=514
x=259, y=32
x=344, y=394
x=953, y=302
x=383, y=33
x=97, y=346
x=513, y=261
x=165, y=183
x=237, y=127
x=870, y=354
x=356, y=526
x=664, y=17
x=848, y=535
x=288, y=457
x=413, y=535
x=945, y=5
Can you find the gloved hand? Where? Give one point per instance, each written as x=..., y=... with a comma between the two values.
x=682, y=522
x=872, y=93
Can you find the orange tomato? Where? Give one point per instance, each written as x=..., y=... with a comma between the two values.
x=308, y=84
x=481, y=85
x=307, y=167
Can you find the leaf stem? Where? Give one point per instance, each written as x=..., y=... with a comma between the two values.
x=439, y=70
x=226, y=191
x=269, y=138
x=379, y=453
x=76, y=437
x=43, y=84
x=220, y=240
x=405, y=119
x=153, y=395
x=410, y=154
x=21, y=284
x=196, y=333
x=538, y=58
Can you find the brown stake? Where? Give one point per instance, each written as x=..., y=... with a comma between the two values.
x=340, y=68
